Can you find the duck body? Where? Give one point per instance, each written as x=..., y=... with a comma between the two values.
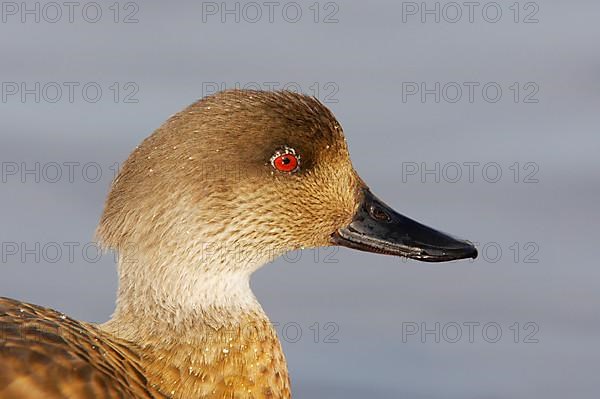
x=46, y=354
x=219, y=190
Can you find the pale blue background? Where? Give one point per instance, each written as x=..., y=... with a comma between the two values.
x=171, y=53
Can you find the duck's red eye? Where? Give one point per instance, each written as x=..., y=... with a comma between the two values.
x=286, y=160
x=286, y=163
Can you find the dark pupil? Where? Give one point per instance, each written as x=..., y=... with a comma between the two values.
x=286, y=160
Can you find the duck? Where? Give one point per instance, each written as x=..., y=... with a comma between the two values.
x=220, y=189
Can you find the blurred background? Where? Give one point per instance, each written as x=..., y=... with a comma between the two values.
x=481, y=120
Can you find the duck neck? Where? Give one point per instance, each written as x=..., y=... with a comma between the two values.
x=183, y=287
x=200, y=329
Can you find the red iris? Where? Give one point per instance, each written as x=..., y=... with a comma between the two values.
x=286, y=163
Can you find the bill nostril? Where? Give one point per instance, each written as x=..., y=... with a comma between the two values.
x=379, y=214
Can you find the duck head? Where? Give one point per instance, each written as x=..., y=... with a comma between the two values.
x=218, y=190
x=243, y=176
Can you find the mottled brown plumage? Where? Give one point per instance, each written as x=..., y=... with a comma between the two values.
x=45, y=354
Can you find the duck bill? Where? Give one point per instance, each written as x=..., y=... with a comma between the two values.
x=378, y=228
